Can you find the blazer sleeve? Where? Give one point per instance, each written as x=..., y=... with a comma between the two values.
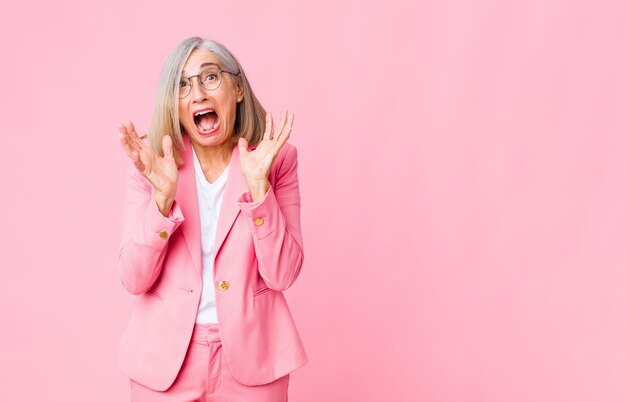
x=145, y=234
x=275, y=226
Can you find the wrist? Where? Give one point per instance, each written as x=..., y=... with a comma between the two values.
x=164, y=204
x=258, y=189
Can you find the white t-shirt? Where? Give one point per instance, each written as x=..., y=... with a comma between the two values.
x=210, y=196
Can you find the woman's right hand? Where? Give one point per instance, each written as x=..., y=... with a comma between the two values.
x=161, y=172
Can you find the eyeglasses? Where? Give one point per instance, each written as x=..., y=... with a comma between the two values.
x=211, y=78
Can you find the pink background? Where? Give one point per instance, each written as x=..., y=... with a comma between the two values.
x=462, y=174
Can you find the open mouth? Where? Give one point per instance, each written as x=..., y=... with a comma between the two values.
x=206, y=121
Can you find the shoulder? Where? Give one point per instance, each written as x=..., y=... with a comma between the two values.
x=286, y=162
x=287, y=157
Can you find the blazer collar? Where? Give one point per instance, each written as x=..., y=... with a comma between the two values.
x=187, y=197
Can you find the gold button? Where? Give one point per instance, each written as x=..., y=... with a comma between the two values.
x=163, y=235
x=223, y=285
x=258, y=221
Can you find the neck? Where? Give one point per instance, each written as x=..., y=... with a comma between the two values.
x=214, y=159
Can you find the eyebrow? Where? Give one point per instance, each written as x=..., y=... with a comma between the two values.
x=203, y=65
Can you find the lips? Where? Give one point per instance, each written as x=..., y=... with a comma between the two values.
x=206, y=120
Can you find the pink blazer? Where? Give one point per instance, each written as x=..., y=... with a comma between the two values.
x=258, y=255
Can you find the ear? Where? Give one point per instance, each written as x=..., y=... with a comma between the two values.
x=240, y=91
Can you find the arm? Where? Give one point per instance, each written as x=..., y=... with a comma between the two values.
x=275, y=226
x=145, y=235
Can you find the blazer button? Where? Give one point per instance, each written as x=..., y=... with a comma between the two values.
x=258, y=221
x=223, y=285
x=163, y=235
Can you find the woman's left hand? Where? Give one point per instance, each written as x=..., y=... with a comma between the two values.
x=256, y=164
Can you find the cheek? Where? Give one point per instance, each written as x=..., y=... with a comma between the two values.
x=232, y=111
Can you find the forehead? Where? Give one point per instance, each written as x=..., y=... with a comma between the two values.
x=198, y=59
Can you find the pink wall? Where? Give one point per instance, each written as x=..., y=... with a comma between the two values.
x=462, y=174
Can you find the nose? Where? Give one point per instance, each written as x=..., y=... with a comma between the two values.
x=198, y=92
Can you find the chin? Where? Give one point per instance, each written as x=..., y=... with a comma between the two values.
x=208, y=140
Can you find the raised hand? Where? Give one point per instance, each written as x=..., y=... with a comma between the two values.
x=161, y=171
x=256, y=164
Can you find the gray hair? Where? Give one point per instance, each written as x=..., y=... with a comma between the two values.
x=250, y=115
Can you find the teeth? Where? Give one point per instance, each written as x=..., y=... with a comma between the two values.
x=204, y=112
x=217, y=120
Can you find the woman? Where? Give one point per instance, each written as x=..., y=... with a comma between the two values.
x=211, y=238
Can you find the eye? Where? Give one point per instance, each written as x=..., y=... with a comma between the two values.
x=212, y=76
x=182, y=84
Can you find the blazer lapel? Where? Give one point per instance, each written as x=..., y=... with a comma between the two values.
x=235, y=186
x=187, y=197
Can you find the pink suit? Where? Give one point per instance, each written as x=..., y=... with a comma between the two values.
x=258, y=255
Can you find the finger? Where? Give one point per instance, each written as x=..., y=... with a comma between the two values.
x=127, y=149
x=281, y=126
x=130, y=145
x=269, y=126
x=137, y=161
x=129, y=133
x=286, y=132
x=283, y=123
x=167, y=147
x=136, y=139
x=147, y=163
x=127, y=145
x=130, y=128
x=243, y=146
x=136, y=135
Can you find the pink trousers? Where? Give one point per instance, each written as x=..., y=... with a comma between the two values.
x=205, y=377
